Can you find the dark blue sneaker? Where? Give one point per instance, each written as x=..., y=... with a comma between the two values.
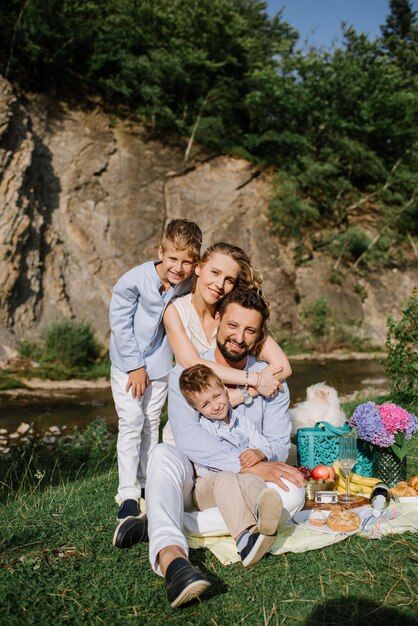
x=131, y=531
x=257, y=546
x=128, y=508
x=184, y=582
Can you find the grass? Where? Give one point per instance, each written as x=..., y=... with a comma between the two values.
x=58, y=565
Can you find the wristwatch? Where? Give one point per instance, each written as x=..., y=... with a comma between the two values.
x=246, y=396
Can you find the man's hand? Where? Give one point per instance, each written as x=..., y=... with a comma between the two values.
x=251, y=457
x=137, y=381
x=274, y=472
x=235, y=396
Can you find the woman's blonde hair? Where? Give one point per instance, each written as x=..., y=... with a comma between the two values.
x=249, y=277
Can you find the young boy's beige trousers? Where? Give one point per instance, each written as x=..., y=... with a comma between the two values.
x=236, y=496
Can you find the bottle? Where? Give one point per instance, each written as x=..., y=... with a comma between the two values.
x=380, y=498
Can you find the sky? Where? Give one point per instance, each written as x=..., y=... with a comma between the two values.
x=320, y=20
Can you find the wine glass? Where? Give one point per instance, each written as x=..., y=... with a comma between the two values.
x=347, y=457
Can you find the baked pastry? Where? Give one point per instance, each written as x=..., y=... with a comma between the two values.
x=414, y=482
x=402, y=492
x=343, y=521
x=317, y=518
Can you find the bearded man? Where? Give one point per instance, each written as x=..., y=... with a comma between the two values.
x=241, y=324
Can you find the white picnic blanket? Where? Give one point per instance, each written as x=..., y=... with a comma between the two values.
x=294, y=538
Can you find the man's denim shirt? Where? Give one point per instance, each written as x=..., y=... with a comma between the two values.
x=269, y=415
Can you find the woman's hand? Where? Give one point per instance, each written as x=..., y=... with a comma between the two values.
x=137, y=381
x=268, y=385
x=277, y=376
x=251, y=457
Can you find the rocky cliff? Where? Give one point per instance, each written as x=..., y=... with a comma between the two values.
x=84, y=198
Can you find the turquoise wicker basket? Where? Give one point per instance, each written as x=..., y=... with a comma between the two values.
x=319, y=446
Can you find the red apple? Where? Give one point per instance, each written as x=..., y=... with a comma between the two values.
x=323, y=471
x=331, y=473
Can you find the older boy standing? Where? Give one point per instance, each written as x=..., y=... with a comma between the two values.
x=140, y=354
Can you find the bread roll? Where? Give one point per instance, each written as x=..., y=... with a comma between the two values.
x=344, y=521
x=414, y=482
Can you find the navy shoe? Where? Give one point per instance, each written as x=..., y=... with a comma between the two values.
x=184, y=582
x=131, y=531
x=257, y=546
x=128, y=508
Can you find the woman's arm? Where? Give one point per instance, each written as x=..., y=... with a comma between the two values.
x=187, y=356
x=275, y=357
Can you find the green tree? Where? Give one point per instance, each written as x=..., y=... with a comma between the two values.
x=400, y=35
x=402, y=346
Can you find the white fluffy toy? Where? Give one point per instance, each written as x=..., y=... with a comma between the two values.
x=321, y=404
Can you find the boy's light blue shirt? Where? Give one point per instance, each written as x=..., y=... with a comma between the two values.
x=136, y=309
x=240, y=433
x=270, y=416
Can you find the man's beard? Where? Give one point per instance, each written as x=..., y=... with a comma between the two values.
x=235, y=357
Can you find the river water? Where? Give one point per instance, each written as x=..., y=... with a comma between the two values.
x=79, y=407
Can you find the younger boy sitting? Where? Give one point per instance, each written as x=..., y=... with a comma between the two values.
x=140, y=354
x=250, y=509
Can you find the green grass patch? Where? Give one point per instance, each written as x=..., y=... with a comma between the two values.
x=58, y=565
x=34, y=465
x=9, y=380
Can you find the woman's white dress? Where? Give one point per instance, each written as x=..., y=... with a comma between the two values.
x=196, y=334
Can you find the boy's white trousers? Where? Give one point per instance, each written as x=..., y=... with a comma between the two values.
x=169, y=503
x=138, y=425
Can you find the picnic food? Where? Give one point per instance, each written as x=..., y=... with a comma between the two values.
x=312, y=486
x=413, y=482
x=305, y=471
x=404, y=489
x=343, y=521
x=359, y=485
x=317, y=518
x=323, y=471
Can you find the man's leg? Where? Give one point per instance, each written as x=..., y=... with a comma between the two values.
x=169, y=492
x=170, y=484
x=210, y=523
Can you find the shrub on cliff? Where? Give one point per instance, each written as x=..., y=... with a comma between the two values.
x=65, y=343
x=72, y=343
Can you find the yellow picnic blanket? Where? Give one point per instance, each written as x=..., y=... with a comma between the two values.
x=294, y=538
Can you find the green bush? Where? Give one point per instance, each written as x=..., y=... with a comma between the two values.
x=317, y=316
x=402, y=346
x=30, y=350
x=71, y=343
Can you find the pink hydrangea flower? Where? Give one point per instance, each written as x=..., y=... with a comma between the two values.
x=395, y=419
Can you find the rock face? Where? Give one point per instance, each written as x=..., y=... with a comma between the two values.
x=82, y=200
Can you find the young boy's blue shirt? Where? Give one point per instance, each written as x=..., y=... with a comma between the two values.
x=240, y=433
x=270, y=417
x=136, y=309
